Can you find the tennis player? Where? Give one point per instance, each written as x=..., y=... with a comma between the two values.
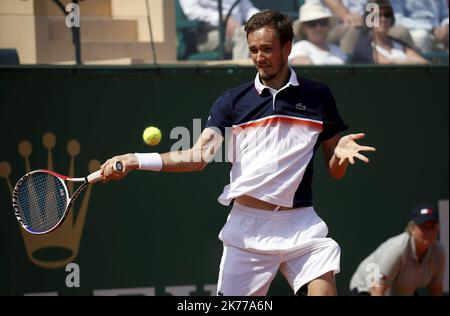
x=278, y=122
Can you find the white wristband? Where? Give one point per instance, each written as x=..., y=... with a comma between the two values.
x=150, y=161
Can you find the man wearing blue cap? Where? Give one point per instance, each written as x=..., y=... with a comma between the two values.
x=404, y=263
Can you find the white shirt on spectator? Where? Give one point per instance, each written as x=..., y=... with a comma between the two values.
x=318, y=56
x=396, y=53
x=208, y=12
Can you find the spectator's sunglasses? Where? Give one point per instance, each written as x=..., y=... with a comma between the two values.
x=314, y=23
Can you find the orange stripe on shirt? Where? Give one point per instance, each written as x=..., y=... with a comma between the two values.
x=278, y=119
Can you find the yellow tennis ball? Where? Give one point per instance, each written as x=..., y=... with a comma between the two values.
x=152, y=135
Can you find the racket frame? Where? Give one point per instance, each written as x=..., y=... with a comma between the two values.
x=92, y=178
x=69, y=200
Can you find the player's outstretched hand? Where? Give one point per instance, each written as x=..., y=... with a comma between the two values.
x=109, y=172
x=348, y=149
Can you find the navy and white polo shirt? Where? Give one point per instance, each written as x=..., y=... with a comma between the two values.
x=274, y=137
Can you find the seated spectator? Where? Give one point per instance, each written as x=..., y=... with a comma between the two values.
x=378, y=48
x=208, y=36
x=313, y=27
x=427, y=22
x=406, y=262
x=350, y=27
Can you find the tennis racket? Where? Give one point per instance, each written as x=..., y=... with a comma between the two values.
x=41, y=200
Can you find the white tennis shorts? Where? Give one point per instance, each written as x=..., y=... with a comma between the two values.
x=257, y=243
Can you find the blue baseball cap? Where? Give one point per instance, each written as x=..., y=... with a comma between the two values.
x=423, y=213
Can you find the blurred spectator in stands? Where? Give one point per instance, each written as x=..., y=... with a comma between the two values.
x=427, y=21
x=350, y=26
x=208, y=37
x=313, y=27
x=378, y=48
x=406, y=262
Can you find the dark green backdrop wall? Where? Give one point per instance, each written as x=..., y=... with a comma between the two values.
x=160, y=230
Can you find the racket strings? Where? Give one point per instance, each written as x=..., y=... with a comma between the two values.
x=41, y=201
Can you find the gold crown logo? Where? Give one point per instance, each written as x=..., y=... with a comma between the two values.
x=59, y=247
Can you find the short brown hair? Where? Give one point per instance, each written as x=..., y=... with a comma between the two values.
x=272, y=19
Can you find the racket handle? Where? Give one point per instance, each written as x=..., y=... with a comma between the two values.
x=95, y=176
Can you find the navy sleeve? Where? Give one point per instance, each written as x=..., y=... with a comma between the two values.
x=220, y=115
x=332, y=121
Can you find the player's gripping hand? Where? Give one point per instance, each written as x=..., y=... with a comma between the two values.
x=109, y=172
x=348, y=149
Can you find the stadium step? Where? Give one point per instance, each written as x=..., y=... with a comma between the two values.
x=87, y=8
x=94, y=29
x=63, y=52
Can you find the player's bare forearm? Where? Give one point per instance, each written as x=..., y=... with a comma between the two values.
x=336, y=170
x=183, y=161
x=195, y=158
x=191, y=160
